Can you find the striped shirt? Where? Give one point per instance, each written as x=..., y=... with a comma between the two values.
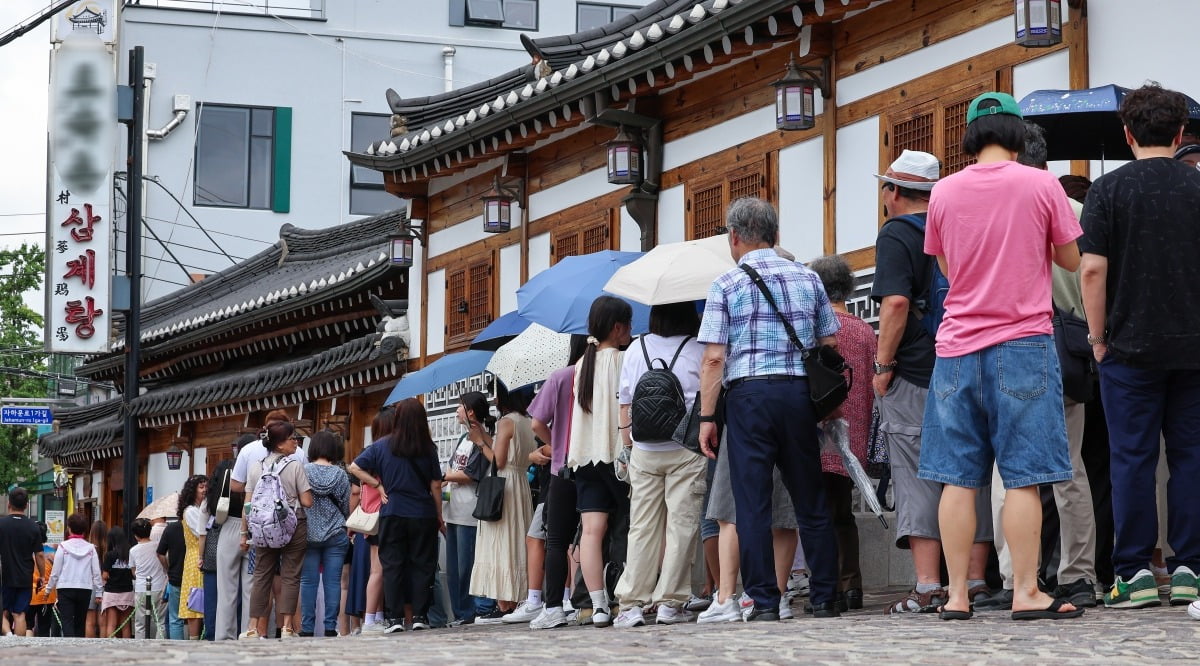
x=737, y=315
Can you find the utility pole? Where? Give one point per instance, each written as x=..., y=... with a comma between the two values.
x=133, y=268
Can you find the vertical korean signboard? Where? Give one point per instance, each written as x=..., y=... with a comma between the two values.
x=83, y=127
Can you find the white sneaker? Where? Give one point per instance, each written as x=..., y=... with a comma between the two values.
x=745, y=605
x=248, y=635
x=601, y=617
x=697, y=604
x=672, y=615
x=629, y=618
x=287, y=632
x=524, y=612
x=797, y=585
x=1194, y=610
x=785, y=608
x=373, y=628
x=549, y=618
x=721, y=612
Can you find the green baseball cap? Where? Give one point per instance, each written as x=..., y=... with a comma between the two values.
x=1004, y=104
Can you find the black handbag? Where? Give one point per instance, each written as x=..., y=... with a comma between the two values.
x=489, y=497
x=1075, y=356
x=687, y=433
x=829, y=376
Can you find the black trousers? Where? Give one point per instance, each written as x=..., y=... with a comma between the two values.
x=562, y=520
x=838, y=494
x=72, y=610
x=408, y=553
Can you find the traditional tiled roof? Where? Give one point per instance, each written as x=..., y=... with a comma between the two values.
x=95, y=430
x=86, y=432
x=464, y=126
x=302, y=265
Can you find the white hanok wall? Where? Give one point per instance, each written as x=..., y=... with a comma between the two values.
x=857, y=189
x=801, y=199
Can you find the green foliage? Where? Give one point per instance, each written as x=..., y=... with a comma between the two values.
x=21, y=355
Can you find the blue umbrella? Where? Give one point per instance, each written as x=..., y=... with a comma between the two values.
x=500, y=331
x=560, y=297
x=442, y=372
x=1083, y=124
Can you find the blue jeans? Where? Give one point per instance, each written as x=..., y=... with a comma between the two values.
x=1138, y=405
x=210, y=605
x=176, y=628
x=460, y=559
x=1004, y=404
x=329, y=555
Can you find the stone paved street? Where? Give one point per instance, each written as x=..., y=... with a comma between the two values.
x=1148, y=636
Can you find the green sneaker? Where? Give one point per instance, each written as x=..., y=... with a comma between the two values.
x=1183, y=587
x=1137, y=592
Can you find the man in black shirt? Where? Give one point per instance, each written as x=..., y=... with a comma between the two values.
x=171, y=551
x=1141, y=241
x=20, y=550
x=903, y=365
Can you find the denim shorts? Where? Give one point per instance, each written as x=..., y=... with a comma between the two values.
x=1002, y=404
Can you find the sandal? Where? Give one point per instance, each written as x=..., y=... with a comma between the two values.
x=916, y=602
x=1051, y=612
x=954, y=615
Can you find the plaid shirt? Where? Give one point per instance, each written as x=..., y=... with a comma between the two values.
x=737, y=315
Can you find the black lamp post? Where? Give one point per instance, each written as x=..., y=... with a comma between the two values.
x=624, y=160
x=1038, y=23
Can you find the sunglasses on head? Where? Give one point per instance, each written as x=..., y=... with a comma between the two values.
x=890, y=187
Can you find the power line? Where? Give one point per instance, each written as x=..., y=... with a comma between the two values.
x=189, y=214
x=219, y=233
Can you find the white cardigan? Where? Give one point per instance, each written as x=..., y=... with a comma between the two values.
x=595, y=437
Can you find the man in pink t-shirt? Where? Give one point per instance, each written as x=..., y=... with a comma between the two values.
x=996, y=391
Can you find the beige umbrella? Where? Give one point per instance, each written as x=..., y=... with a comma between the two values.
x=673, y=272
x=166, y=506
x=530, y=357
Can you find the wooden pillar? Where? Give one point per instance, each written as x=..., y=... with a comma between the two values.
x=829, y=132
x=1076, y=37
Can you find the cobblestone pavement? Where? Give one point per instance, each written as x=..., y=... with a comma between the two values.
x=1159, y=635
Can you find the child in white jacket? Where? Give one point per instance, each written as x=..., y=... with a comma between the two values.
x=76, y=576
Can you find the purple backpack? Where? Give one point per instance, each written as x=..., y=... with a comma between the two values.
x=272, y=520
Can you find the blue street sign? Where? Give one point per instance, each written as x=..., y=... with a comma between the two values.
x=26, y=416
x=149, y=495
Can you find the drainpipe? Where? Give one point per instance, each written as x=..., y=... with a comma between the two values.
x=448, y=68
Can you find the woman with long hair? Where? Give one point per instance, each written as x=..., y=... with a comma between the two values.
x=596, y=441
x=281, y=443
x=97, y=536
x=365, y=596
x=219, y=487
x=117, y=602
x=499, y=571
x=406, y=472
x=194, y=515
x=461, y=525
x=327, y=540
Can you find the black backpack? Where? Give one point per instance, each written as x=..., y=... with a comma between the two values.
x=658, y=402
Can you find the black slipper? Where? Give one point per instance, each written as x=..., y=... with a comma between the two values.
x=1051, y=612
x=954, y=615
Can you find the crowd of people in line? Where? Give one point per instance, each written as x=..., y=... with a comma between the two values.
x=993, y=362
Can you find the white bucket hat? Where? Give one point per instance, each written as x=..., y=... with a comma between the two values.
x=914, y=170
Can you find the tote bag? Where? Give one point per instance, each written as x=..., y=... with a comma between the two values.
x=489, y=497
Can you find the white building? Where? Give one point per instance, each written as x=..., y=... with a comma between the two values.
x=276, y=90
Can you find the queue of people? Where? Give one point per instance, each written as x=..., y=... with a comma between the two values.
x=971, y=386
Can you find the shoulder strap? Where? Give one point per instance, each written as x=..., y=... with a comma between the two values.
x=679, y=351
x=912, y=219
x=787, y=325
x=645, y=354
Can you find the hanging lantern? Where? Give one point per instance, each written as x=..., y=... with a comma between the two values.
x=497, y=212
x=624, y=160
x=174, y=458
x=1039, y=22
x=402, y=249
x=794, y=104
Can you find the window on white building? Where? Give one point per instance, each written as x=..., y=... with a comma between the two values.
x=515, y=14
x=367, y=196
x=243, y=157
x=590, y=15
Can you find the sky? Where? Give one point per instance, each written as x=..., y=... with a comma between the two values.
x=24, y=76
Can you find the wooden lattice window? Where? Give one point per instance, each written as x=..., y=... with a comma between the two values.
x=469, y=299
x=933, y=125
x=954, y=125
x=588, y=235
x=708, y=199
